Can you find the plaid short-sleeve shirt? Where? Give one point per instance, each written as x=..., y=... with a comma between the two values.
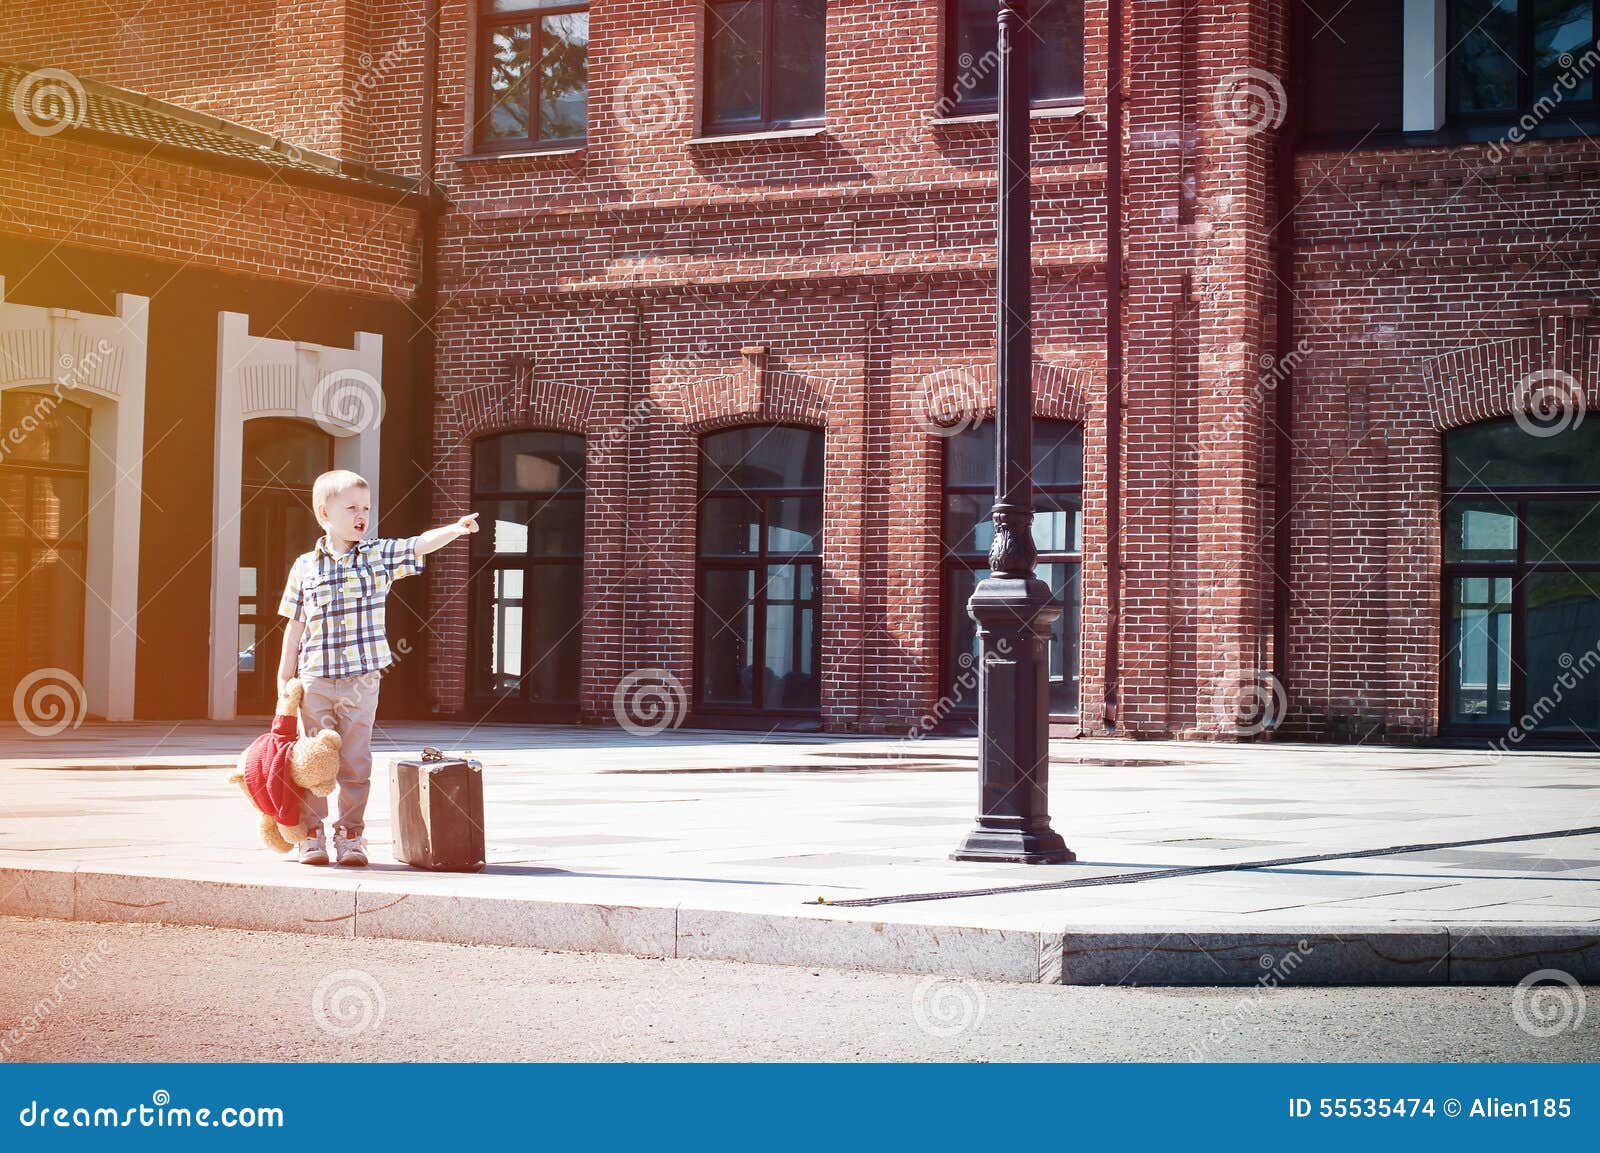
x=340, y=597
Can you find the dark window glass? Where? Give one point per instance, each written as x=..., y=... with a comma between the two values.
x=972, y=59
x=1562, y=31
x=1511, y=56
x=285, y=453
x=759, y=644
x=799, y=57
x=1562, y=618
x=1484, y=60
x=44, y=515
x=762, y=457
x=533, y=73
x=1501, y=453
x=1478, y=670
x=547, y=462
x=1564, y=531
x=1057, y=534
x=38, y=428
x=526, y=647
x=767, y=63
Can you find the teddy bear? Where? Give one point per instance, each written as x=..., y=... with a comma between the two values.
x=280, y=763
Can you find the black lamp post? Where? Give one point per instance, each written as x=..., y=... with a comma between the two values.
x=1013, y=608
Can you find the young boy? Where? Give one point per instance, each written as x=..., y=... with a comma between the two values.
x=336, y=643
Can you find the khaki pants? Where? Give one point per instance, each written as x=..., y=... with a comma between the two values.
x=347, y=705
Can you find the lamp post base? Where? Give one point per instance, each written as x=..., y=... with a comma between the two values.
x=1019, y=846
x=1014, y=616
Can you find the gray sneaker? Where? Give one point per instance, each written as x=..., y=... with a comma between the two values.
x=314, y=849
x=349, y=851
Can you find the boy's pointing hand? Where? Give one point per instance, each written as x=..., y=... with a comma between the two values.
x=467, y=524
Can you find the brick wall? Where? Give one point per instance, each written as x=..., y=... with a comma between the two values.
x=620, y=290
x=862, y=261
x=1407, y=256
x=305, y=70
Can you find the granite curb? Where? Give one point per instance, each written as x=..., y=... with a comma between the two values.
x=1085, y=954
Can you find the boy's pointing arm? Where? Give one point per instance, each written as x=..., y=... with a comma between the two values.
x=436, y=538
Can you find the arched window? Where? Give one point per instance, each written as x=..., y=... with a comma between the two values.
x=760, y=568
x=969, y=530
x=282, y=460
x=1521, y=630
x=526, y=612
x=44, y=520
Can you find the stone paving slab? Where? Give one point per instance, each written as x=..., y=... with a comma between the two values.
x=722, y=845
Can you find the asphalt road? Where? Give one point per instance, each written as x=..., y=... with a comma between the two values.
x=88, y=992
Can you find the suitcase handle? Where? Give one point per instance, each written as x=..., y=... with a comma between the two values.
x=430, y=755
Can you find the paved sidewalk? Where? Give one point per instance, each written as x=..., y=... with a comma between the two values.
x=689, y=843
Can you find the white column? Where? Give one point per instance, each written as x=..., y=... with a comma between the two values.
x=233, y=333
x=266, y=376
x=98, y=362
x=1425, y=66
x=116, y=487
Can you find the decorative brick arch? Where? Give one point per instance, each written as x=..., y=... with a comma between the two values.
x=523, y=399
x=1493, y=379
x=966, y=394
x=755, y=395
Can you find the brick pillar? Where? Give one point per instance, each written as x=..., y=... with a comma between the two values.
x=1240, y=108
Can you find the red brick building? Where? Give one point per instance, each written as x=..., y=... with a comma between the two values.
x=693, y=300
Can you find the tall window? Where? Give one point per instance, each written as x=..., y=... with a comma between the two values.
x=44, y=516
x=533, y=73
x=1522, y=580
x=1508, y=55
x=282, y=459
x=972, y=57
x=765, y=64
x=1057, y=534
x=759, y=582
x=527, y=573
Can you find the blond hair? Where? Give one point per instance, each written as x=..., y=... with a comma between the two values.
x=330, y=485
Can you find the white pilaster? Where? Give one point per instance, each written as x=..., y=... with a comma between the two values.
x=339, y=389
x=98, y=362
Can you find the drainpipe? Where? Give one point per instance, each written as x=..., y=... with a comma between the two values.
x=423, y=345
x=1284, y=335
x=1113, y=413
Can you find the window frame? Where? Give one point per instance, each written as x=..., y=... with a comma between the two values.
x=949, y=69
x=758, y=563
x=484, y=24
x=709, y=125
x=1526, y=97
x=1517, y=500
x=513, y=703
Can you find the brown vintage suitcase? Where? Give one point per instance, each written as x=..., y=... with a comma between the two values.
x=438, y=812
